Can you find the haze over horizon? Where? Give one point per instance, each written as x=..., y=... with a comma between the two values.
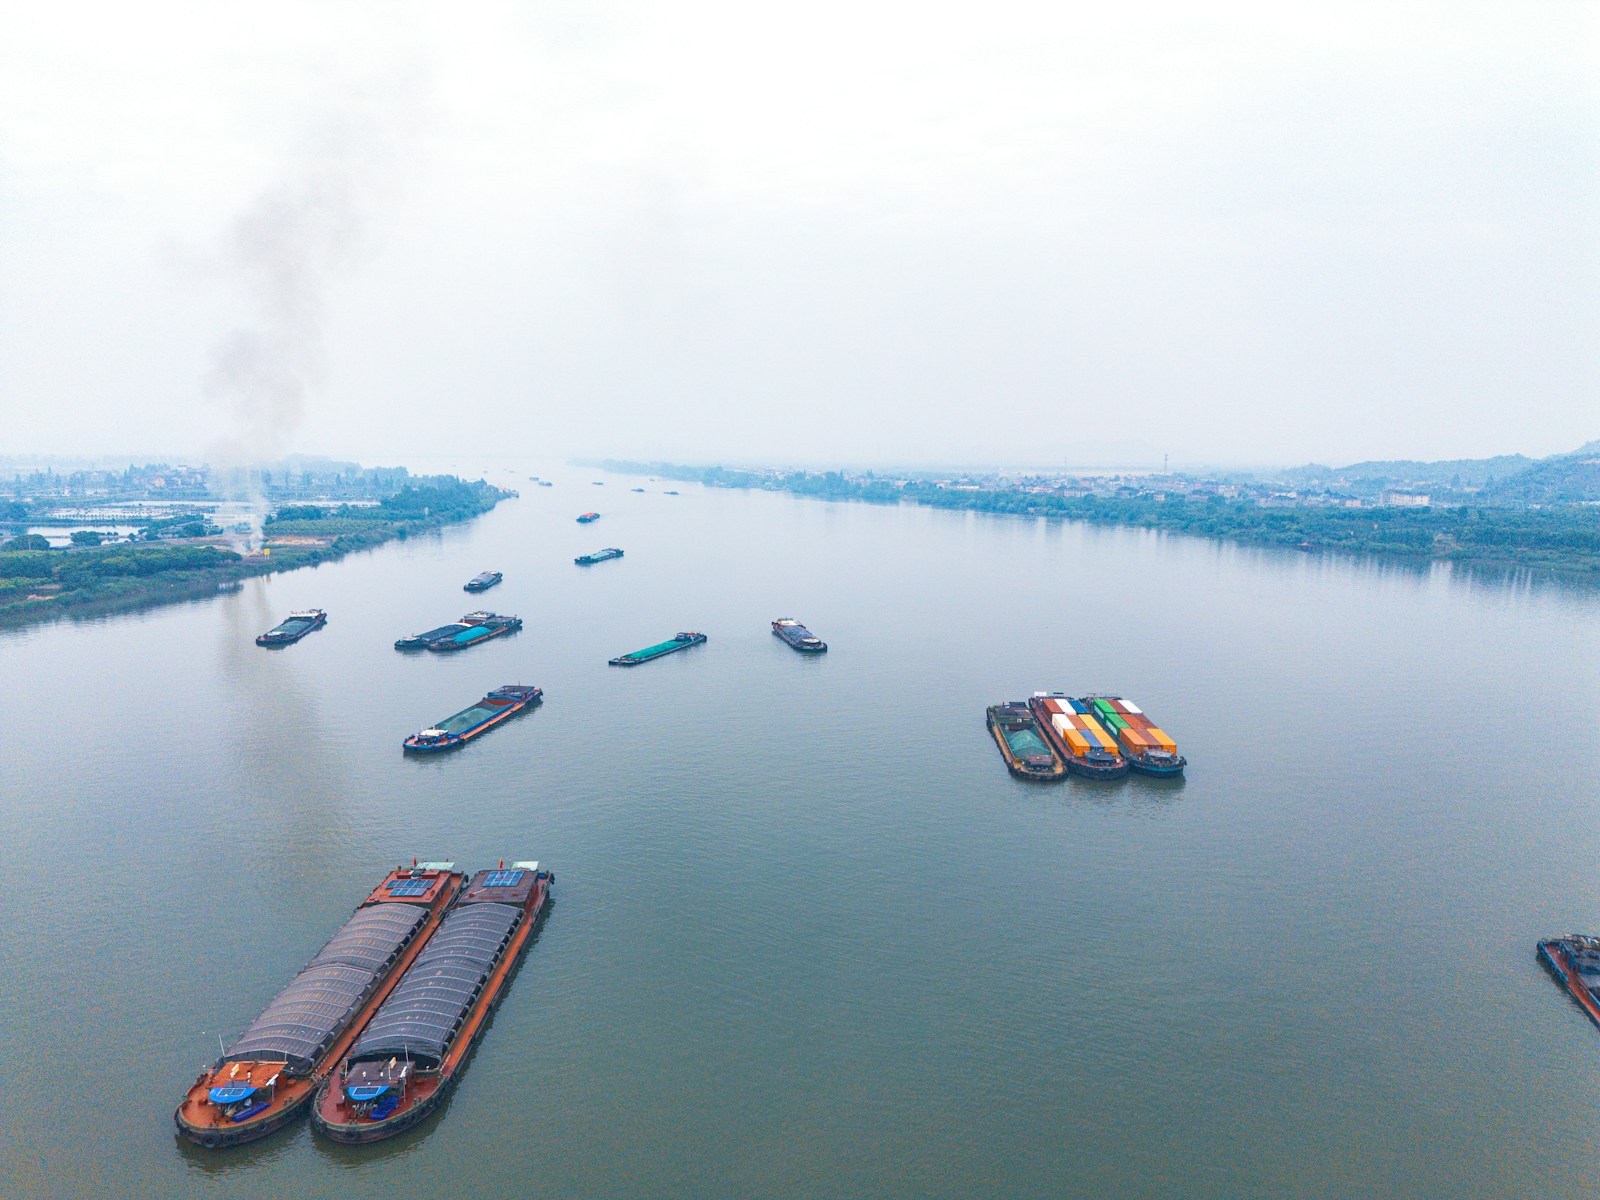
x=874, y=233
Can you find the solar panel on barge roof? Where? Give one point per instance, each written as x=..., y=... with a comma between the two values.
x=409, y=887
x=502, y=879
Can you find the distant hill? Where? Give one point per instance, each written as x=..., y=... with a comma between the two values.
x=1455, y=472
x=1505, y=479
x=1561, y=478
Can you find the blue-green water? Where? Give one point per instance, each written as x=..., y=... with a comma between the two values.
x=809, y=938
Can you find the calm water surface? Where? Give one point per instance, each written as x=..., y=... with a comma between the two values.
x=809, y=938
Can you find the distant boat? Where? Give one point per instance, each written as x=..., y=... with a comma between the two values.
x=798, y=636
x=483, y=582
x=545, y=483
x=599, y=556
x=294, y=628
x=588, y=517
x=672, y=645
x=669, y=493
x=638, y=489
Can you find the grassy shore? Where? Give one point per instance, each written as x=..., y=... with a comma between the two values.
x=44, y=585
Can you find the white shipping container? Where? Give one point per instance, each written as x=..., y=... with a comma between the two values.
x=1130, y=707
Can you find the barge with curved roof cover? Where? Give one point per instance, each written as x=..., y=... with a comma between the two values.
x=480, y=627
x=273, y=1069
x=505, y=701
x=1022, y=744
x=1575, y=962
x=415, y=1048
x=599, y=556
x=798, y=636
x=672, y=645
x=482, y=582
x=294, y=627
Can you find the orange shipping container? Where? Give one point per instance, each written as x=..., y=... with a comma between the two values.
x=1161, y=739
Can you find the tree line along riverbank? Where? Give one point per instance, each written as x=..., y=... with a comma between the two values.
x=85, y=581
x=1562, y=538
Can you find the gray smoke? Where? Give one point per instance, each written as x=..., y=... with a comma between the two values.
x=281, y=253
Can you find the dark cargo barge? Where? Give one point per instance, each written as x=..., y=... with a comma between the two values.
x=798, y=636
x=1022, y=744
x=453, y=732
x=272, y=1071
x=672, y=645
x=425, y=641
x=483, y=582
x=1575, y=962
x=599, y=556
x=295, y=627
x=479, y=627
x=416, y=1046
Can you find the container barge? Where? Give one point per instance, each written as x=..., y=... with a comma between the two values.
x=1575, y=962
x=672, y=645
x=798, y=636
x=1075, y=735
x=272, y=1071
x=1146, y=747
x=588, y=518
x=298, y=624
x=415, y=1048
x=483, y=582
x=1028, y=755
x=599, y=556
x=479, y=627
x=505, y=701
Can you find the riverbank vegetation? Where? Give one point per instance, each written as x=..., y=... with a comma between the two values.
x=83, y=580
x=1552, y=537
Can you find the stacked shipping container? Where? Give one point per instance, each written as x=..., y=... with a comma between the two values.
x=1077, y=727
x=1127, y=722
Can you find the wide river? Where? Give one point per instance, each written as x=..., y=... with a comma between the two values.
x=808, y=937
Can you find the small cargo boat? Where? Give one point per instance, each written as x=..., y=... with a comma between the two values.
x=272, y=1071
x=505, y=701
x=1146, y=747
x=798, y=636
x=415, y=1048
x=545, y=483
x=599, y=556
x=1075, y=735
x=1575, y=962
x=669, y=493
x=640, y=490
x=294, y=628
x=588, y=518
x=1022, y=745
x=483, y=582
x=672, y=645
x=478, y=627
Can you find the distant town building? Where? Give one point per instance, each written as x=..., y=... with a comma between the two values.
x=1406, y=499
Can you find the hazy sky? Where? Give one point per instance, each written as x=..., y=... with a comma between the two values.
x=991, y=232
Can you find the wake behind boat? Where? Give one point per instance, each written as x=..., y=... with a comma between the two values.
x=272, y=1071
x=414, y=1050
